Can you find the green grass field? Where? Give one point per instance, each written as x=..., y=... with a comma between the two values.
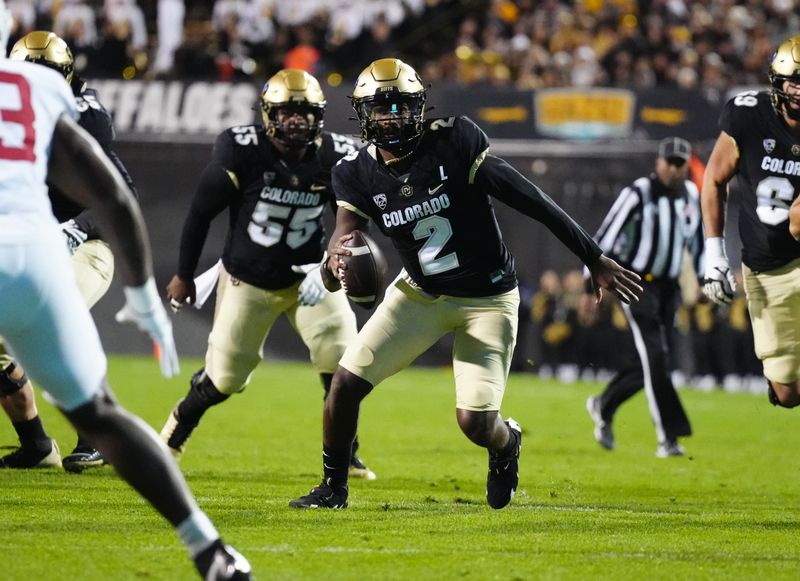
x=727, y=511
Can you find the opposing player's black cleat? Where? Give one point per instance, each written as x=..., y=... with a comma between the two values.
x=221, y=562
x=81, y=458
x=323, y=496
x=503, y=478
x=33, y=457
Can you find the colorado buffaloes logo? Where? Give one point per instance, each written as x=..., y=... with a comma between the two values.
x=769, y=145
x=380, y=200
x=406, y=191
x=269, y=177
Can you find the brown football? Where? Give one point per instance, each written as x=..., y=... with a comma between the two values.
x=364, y=277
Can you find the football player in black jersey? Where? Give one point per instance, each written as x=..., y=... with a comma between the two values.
x=92, y=262
x=427, y=185
x=760, y=142
x=275, y=181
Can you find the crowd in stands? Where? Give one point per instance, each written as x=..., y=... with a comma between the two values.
x=713, y=345
x=708, y=44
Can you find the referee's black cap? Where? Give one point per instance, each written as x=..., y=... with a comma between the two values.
x=675, y=148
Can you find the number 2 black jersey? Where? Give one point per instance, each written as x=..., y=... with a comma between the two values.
x=441, y=223
x=96, y=120
x=275, y=209
x=769, y=170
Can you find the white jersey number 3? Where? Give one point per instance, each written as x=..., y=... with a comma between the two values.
x=17, y=135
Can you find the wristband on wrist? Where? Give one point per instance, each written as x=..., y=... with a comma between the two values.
x=715, y=247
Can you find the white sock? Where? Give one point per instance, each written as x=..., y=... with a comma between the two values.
x=197, y=532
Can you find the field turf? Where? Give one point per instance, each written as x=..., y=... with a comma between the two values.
x=729, y=510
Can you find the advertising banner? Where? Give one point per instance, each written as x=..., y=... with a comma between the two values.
x=177, y=111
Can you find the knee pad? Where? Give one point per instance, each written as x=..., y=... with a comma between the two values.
x=9, y=386
x=776, y=401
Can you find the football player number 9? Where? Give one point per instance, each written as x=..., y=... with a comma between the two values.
x=774, y=195
x=17, y=135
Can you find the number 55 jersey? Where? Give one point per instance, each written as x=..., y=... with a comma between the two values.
x=769, y=173
x=275, y=207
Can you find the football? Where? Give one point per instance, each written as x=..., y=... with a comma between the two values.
x=364, y=278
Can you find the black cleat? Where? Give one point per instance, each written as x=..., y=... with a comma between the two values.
x=81, y=458
x=503, y=478
x=32, y=457
x=221, y=562
x=323, y=496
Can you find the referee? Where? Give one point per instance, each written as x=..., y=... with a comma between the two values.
x=646, y=230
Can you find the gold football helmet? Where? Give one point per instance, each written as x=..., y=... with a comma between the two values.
x=45, y=48
x=785, y=66
x=293, y=107
x=389, y=101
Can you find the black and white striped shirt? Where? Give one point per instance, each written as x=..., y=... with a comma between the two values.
x=648, y=227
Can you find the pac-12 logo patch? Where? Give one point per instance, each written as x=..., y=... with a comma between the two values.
x=769, y=145
x=380, y=200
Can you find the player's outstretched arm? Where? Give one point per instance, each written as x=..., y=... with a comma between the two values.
x=214, y=193
x=512, y=188
x=621, y=282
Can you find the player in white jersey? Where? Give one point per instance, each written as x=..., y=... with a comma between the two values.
x=44, y=320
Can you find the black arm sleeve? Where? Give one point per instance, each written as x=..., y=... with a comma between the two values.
x=85, y=221
x=213, y=195
x=510, y=187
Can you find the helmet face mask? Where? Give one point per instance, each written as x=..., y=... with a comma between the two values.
x=391, y=120
x=292, y=108
x=389, y=101
x=47, y=49
x=295, y=125
x=785, y=67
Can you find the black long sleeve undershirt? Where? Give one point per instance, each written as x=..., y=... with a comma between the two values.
x=214, y=193
x=510, y=187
